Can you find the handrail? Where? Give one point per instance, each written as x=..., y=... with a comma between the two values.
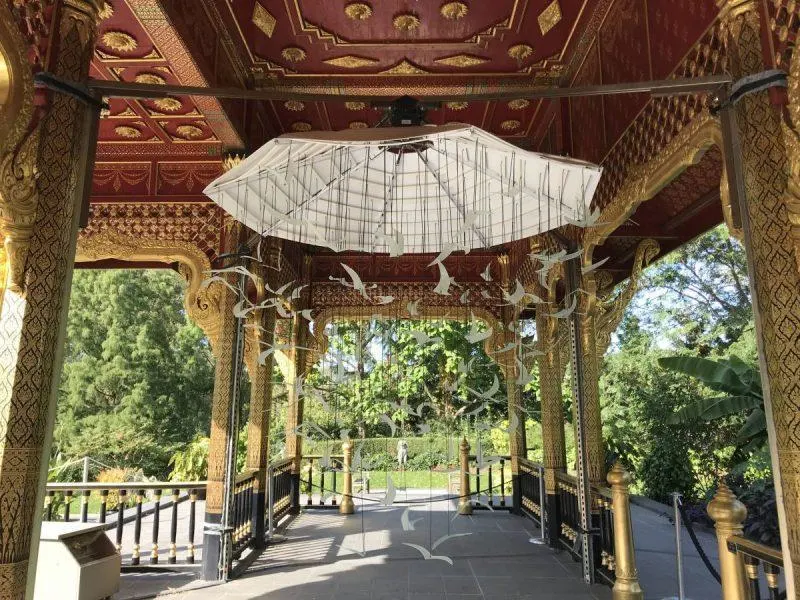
x=762, y=552
x=244, y=476
x=281, y=462
x=755, y=555
x=61, y=486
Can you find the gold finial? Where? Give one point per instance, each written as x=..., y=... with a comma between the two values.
x=406, y=22
x=231, y=161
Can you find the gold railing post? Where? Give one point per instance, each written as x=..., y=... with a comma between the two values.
x=626, y=584
x=464, y=504
x=728, y=515
x=346, y=507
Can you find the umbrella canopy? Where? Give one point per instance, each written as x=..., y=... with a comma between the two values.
x=404, y=190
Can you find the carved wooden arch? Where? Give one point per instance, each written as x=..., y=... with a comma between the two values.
x=202, y=304
x=644, y=181
x=318, y=342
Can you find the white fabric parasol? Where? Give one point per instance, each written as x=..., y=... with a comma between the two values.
x=404, y=190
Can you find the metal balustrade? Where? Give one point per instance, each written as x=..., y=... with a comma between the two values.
x=759, y=558
x=117, y=498
x=531, y=483
x=281, y=492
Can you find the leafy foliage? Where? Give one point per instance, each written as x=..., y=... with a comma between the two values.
x=137, y=377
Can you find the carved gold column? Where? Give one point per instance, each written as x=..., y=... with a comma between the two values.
x=626, y=584
x=465, y=499
x=39, y=223
x=347, y=507
x=552, y=405
x=587, y=307
x=773, y=212
x=220, y=422
x=263, y=327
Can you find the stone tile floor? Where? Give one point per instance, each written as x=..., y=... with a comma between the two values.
x=321, y=559
x=365, y=557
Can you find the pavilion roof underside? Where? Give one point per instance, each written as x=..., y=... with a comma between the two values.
x=155, y=156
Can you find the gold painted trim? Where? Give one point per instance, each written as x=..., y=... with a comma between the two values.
x=202, y=304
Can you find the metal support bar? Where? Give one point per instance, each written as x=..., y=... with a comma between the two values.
x=226, y=521
x=573, y=272
x=337, y=90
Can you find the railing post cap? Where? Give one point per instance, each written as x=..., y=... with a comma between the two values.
x=464, y=443
x=725, y=507
x=618, y=475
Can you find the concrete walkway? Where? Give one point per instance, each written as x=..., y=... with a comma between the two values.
x=365, y=556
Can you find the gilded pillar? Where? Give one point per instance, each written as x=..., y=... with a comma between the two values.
x=771, y=224
x=552, y=406
x=39, y=223
x=263, y=326
x=593, y=426
x=224, y=372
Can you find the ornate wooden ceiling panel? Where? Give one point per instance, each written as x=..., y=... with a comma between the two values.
x=137, y=44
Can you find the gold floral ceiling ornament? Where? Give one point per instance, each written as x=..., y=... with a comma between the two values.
x=520, y=51
x=453, y=10
x=550, y=17
x=168, y=104
x=127, y=131
x=301, y=126
x=355, y=105
x=358, y=11
x=263, y=19
x=358, y=125
x=106, y=12
x=461, y=60
x=150, y=79
x=294, y=105
x=457, y=105
x=351, y=62
x=510, y=125
x=404, y=67
x=119, y=41
x=406, y=22
x=518, y=104
x=189, y=132
x=293, y=54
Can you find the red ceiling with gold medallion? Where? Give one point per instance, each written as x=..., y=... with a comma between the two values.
x=166, y=151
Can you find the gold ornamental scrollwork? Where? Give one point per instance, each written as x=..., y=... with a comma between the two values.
x=20, y=143
x=202, y=303
x=791, y=138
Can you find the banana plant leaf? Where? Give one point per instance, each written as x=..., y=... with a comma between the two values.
x=714, y=408
x=719, y=376
x=755, y=426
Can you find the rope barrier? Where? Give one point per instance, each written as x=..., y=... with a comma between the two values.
x=688, y=524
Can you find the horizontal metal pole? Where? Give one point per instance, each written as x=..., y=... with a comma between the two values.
x=125, y=485
x=503, y=89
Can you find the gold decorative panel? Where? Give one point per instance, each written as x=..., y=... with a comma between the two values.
x=457, y=105
x=406, y=22
x=190, y=132
x=404, y=67
x=351, y=62
x=168, y=104
x=461, y=60
x=127, y=131
x=453, y=10
x=550, y=17
x=301, y=126
x=358, y=125
x=293, y=54
x=119, y=41
x=510, y=125
x=106, y=12
x=294, y=105
x=355, y=105
x=358, y=11
x=518, y=104
x=520, y=51
x=150, y=79
x=263, y=19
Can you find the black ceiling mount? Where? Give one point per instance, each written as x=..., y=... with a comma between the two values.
x=405, y=111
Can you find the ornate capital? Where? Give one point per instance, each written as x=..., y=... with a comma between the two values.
x=202, y=303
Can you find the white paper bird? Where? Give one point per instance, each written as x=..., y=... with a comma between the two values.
x=566, y=312
x=476, y=335
x=407, y=523
x=423, y=338
x=426, y=555
x=357, y=284
x=445, y=281
x=487, y=273
x=394, y=243
x=594, y=266
x=391, y=492
x=413, y=308
x=384, y=299
x=385, y=418
x=524, y=378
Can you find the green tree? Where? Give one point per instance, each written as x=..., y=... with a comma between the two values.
x=698, y=297
x=138, y=376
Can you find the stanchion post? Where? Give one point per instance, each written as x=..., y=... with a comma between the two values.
x=728, y=515
x=676, y=498
x=464, y=504
x=626, y=584
x=347, y=507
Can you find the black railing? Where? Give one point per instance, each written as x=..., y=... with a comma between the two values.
x=243, y=512
x=128, y=504
x=493, y=473
x=530, y=487
x=281, y=482
x=320, y=475
x=756, y=555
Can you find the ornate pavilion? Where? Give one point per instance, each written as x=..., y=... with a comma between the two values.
x=134, y=198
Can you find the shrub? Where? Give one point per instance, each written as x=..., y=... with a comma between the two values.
x=116, y=475
x=427, y=460
x=191, y=464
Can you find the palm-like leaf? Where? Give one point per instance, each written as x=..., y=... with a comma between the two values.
x=719, y=376
x=755, y=426
x=714, y=408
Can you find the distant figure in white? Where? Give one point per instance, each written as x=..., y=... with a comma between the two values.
x=402, y=453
